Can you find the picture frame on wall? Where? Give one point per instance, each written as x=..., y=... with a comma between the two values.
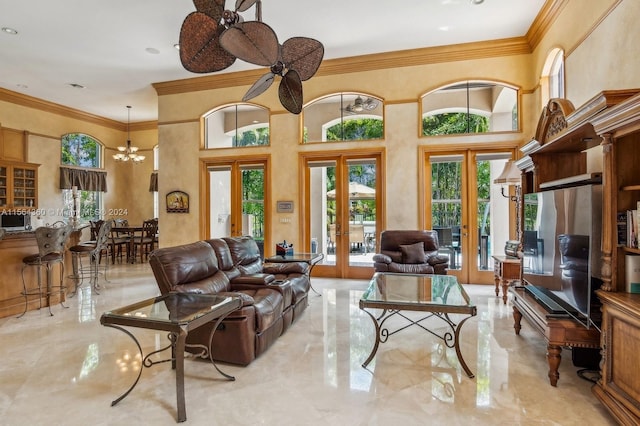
x=177, y=202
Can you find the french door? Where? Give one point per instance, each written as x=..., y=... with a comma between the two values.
x=472, y=218
x=236, y=198
x=343, y=211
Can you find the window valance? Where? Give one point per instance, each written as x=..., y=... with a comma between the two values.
x=84, y=179
x=153, y=182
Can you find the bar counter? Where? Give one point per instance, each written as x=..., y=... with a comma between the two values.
x=13, y=248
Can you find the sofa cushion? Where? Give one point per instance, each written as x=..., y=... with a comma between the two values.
x=412, y=253
x=268, y=304
x=245, y=254
x=225, y=261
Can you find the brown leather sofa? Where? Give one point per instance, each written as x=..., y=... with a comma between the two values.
x=410, y=251
x=229, y=266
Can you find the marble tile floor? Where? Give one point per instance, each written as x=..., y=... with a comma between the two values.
x=66, y=370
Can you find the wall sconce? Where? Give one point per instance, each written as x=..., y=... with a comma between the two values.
x=511, y=175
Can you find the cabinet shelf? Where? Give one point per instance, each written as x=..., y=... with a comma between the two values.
x=631, y=250
x=18, y=185
x=630, y=188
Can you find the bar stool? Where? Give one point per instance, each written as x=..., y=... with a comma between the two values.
x=51, y=246
x=93, y=251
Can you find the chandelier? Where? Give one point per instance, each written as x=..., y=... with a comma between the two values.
x=128, y=152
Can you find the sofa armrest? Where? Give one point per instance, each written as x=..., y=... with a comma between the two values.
x=437, y=259
x=282, y=287
x=253, y=279
x=286, y=268
x=245, y=298
x=382, y=258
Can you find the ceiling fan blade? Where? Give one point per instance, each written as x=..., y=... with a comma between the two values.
x=254, y=42
x=290, y=92
x=370, y=104
x=259, y=86
x=304, y=55
x=212, y=8
x=244, y=5
x=200, y=50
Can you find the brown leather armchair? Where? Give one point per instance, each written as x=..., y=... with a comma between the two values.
x=207, y=267
x=409, y=251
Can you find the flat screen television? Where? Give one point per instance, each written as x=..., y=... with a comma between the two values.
x=562, y=250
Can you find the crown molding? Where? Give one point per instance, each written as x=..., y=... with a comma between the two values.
x=76, y=114
x=540, y=26
x=402, y=58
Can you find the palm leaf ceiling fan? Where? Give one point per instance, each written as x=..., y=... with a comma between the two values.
x=212, y=37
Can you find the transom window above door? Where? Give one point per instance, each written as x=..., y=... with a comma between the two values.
x=469, y=107
x=235, y=126
x=344, y=117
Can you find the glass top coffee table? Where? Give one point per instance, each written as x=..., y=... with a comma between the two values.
x=176, y=313
x=438, y=296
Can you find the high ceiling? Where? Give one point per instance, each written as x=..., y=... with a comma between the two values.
x=116, y=49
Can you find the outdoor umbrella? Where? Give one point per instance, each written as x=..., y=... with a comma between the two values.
x=357, y=191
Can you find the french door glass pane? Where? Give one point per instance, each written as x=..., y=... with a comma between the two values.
x=323, y=210
x=253, y=202
x=220, y=211
x=446, y=205
x=362, y=211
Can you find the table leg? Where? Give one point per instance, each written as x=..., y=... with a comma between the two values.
x=459, y=352
x=215, y=327
x=497, y=281
x=128, y=333
x=376, y=324
x=505, y=287
x=311, y=265
x=178, y=350
x=517, y=318
x=554, y=358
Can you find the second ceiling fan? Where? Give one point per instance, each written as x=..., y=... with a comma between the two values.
x=360, y=105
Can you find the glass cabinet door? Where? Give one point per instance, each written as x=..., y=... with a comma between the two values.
x=3, y=186
x=24, y=187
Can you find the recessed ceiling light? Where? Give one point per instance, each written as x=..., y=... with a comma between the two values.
x=9, y=30
x=443, y=28
x=177, y=46
x=152, y=50
x=477, y=1
x=77, y=86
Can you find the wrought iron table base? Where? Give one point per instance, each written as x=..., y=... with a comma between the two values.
x=178, y=346
x=450, y=338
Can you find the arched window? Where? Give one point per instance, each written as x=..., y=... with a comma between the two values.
x=237, y=125
x=469, y=107
x=552, y=78
x=344, y=117
x=82, y=152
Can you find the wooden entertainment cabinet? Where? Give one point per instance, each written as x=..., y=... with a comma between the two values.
x=602, y=136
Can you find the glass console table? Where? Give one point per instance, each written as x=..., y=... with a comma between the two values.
x=176, y=313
